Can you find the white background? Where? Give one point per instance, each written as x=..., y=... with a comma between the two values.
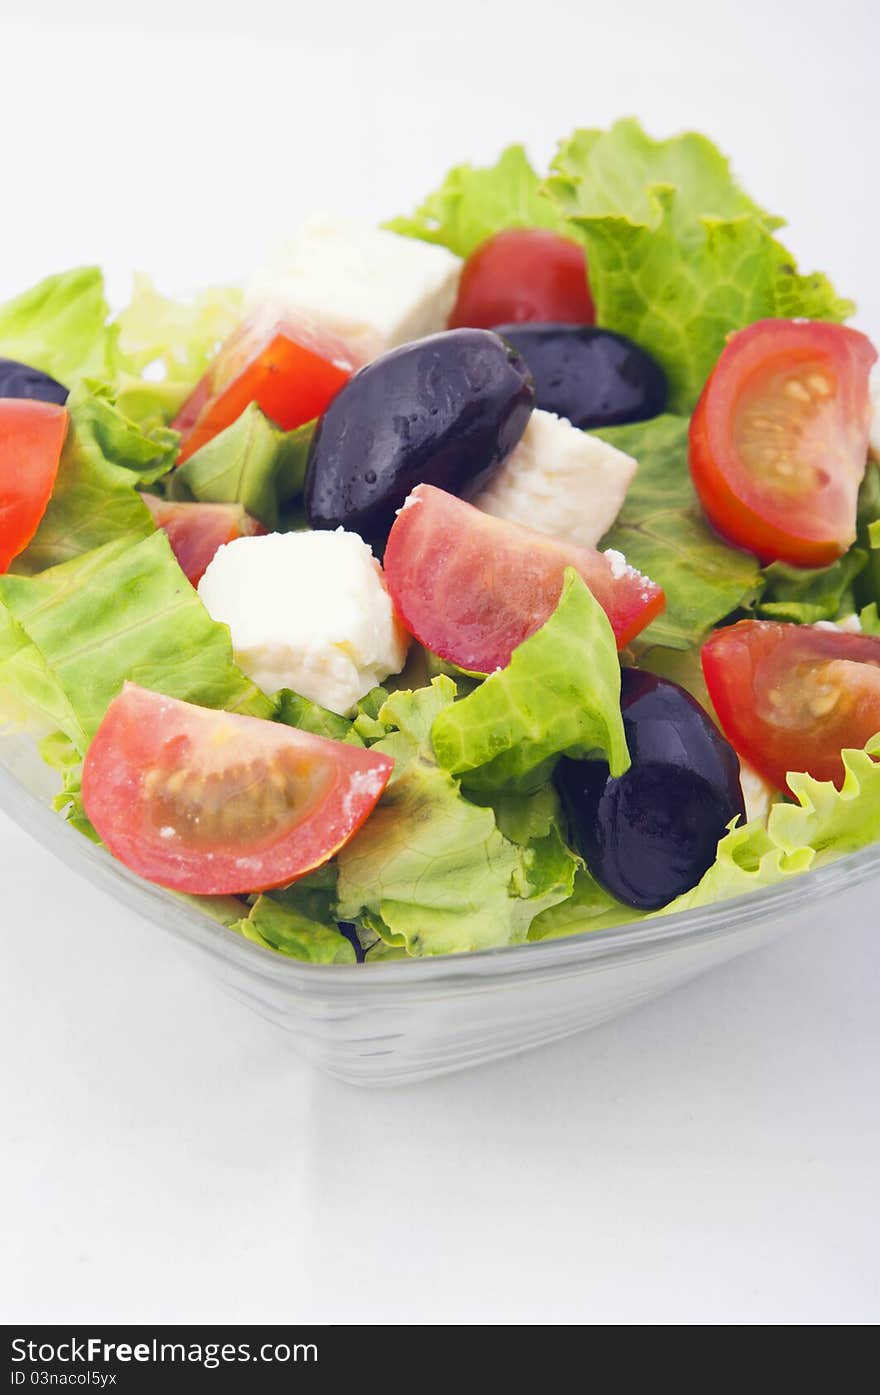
x=711, y=1158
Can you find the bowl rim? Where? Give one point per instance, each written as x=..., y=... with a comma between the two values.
x=533, y=959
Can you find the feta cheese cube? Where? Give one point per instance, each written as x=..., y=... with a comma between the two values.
x=561, y=481
x=307, y=611
x=758, y=793
x=369, y=288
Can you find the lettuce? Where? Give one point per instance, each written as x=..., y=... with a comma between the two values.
x=678, y=254
x=95, y=499
x=162, y=347
x=252, y=463
x=430, y=871
x=804, y=595
x=298, y=921
x=559, y=694
x=472, y=204
x=122, y=611
x=662, y=531
x=59, y=326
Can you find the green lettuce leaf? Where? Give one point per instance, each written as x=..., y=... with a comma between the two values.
x=59, y=326
x=804, y=595
x=124, y=611
x=590, y=907
x=252, y=463
x=678, y=254
x=298, y=921
x=301, y=712
x=95, y=499
x=430, y=870
x=472, y=204
x=662, y=531
x=559, y=694
x=867, y=586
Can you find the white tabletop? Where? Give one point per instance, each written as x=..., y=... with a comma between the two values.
x=710, y=1158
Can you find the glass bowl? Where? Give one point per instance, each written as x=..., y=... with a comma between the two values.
x=401, y=1021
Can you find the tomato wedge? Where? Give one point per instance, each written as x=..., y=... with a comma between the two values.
x=217, y=804
x=288, y=370
x=524, y=275
x=31, y=439
x=779, y=439
x=195, y=531
x=471, y=587
x=792, y=697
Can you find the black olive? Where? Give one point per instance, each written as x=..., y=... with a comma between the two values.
x=440, y=411
x=591, y=376
x=20, y=380
x=650, y=834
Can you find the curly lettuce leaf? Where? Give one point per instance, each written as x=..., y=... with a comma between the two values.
x=430, y=871
x=59, y=326
x=126, y=611
x=662, y=531
x=560, y=694
x=252, y=463
x=473, y=204
x=867, y=586
x=590, y=907
x=95, y=498
x=679, y=255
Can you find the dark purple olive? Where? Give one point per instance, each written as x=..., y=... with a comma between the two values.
x=349, y=932
x=651, y=834
x=20, y=380
x=591, y=376
x=441, y=411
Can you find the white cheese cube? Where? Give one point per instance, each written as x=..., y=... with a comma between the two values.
x=369, y=288
x=561, y=481
x=307, y=611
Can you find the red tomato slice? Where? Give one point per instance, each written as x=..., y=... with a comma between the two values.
x=792, y=697
x=218, y=804
x=521, y=275
x=31, y=439
x=195, y=531
x=291, y=374
x=779, y=439
x=471, y=587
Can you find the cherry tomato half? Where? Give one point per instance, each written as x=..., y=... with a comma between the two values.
x=214, y=803
x=195, y=531
x=31, y=440
x=522, y=275
x=471, y=587
x=779, y=439
x=290, y=373
x=792, y=697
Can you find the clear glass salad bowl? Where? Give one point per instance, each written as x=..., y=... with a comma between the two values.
x=398, y=1022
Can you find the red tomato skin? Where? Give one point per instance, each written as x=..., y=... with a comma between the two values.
x=471, y=587
x=196, y=531
x=144, y=732
x=744, y=664
x=290, y=373
x=31, y=440
x=524, y=275
x=733, y=506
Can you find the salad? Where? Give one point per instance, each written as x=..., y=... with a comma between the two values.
x=508, y=571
